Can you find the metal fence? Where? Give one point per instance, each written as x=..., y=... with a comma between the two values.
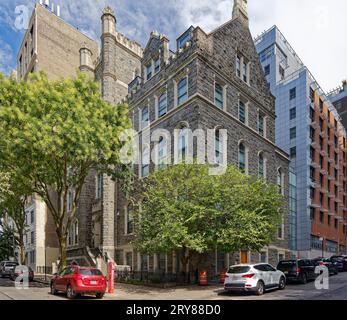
x=147, y=277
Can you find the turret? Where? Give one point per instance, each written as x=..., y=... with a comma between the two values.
x=108, y=21
x=240, y=11
x=86, y=61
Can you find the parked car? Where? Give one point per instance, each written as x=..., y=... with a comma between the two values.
x=301, y=270
x=256, y=278
x=341, y=261
x=75, y=280
x=332, y=266
x=6, y=267
x=19, y=270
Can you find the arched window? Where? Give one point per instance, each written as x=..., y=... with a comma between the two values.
x=145, y=162
x=73, y=234
x=261, y=166
x=242, y=157
x=218, y=95
x=145, y=117
x=162, y=153
x=99, y=183
x=183, y=143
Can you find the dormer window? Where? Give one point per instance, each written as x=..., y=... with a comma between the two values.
x=242, y=68
x=149, y=71
x=184, y=38
x=157, y=65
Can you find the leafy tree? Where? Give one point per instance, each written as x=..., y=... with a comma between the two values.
x=7, y=246
x=4, y=184
x=185, y=209
x=13, y=206
x=54, y=133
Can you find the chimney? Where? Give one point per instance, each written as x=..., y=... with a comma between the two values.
x=240, y=11
x=344, y=85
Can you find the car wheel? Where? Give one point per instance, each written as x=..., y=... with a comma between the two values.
x=303, y=278
x=53, y=290
x=260, y=288
x=70, y=292
x=99, y=295
x=282, y=284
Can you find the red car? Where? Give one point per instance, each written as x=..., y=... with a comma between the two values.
x=75, y=280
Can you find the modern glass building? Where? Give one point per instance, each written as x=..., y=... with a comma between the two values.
x=309, y=129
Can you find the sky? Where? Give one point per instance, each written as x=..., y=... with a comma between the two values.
x=316, y=29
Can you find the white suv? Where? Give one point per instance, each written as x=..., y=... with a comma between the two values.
x=254, y=278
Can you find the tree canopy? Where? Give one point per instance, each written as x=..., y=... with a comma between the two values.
x=53, y=134
x=185, y=209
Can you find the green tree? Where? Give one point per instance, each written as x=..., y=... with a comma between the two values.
x=185, y=209
x=7, y=245
x=13, y=207
x=53, y=134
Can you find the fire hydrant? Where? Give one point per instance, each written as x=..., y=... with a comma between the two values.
x=111, y=267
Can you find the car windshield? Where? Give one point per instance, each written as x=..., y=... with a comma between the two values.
x=239, y=269
x=11, y=264
x=91, y=272
x=286, y=265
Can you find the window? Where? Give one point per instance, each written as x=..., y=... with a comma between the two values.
x=182, y=91
x=242, y=157
x=267, y=70
x=32, y=237
x=293, y=133
x=145, y=117
x=313, y=214
x=292, y=94
x=312, y=95
x=292, y=114
x=99, y=183
x=267, y=53
x=242, y=112
x=261, y=124
x=321, y=124
x=329, y=220
x=218, y=148
x=245, y=71
x=321, y=161
x=263, y=257
x=261, y=166
x=129, y=259
x=145, y=162
x=312, y=154
x=162, y=105
x=336, y=223
x=32, y=217
x=183, y=144
x=184, y=39
x=312, y=173
x=73, y=234
x=149, y=71
x=312, y=193
x=321, y=199
x=321, y=217
x=130, y=220
x=238, y=66
x=280, y=181
x=157, y=65
x=70, y=201
x=218, y=96
x=312, y=133
x=293, y=153
x=321, y=105
x=162, y=153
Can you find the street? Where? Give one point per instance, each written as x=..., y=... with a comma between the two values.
x=38, y=291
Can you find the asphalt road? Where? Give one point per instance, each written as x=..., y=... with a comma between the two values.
x=337, y=291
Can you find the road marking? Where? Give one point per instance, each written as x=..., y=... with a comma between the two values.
x=6, y=295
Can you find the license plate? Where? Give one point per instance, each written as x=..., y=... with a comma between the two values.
x=286, y=272
x=93, y=282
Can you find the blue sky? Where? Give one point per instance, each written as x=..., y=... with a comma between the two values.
x=315, y=28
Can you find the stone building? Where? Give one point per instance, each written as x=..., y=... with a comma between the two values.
x=212, y=81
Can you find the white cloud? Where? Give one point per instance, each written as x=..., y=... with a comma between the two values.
x=6, y=57
x=316, y=29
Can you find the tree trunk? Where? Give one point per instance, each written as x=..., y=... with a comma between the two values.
x=185, y=262
x=62, y=252
x=22, y=251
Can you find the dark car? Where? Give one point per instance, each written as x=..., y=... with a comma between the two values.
x=301, y=270
x=75, y=280
x=341, y=261
x=332, y=266
x=21, y=270
x=6, y=268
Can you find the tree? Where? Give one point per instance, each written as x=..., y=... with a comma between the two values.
x=4, y=184
x=185, y=209
x=7, y=245
x=54, y=133
x=13, y=206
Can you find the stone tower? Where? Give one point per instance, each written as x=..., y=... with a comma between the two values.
x=240, y=10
